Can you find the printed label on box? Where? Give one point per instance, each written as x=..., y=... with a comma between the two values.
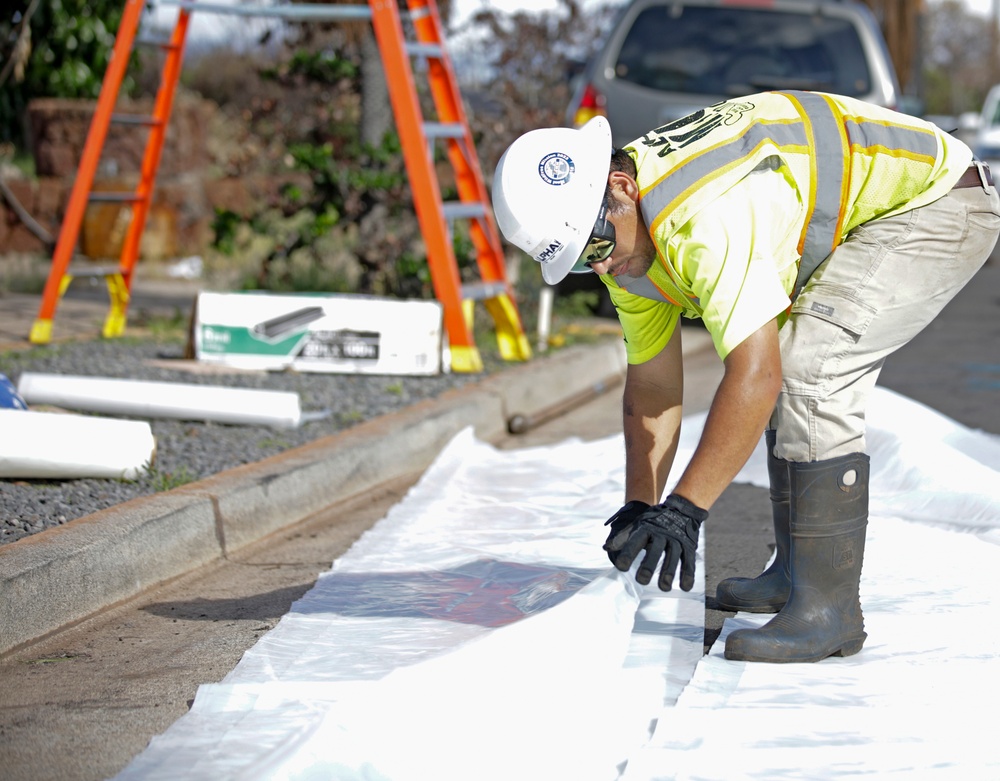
x=320, y=333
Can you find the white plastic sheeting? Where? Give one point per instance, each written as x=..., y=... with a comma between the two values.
x=478, y=632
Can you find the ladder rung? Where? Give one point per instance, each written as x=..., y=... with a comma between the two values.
x=110, y=197
x=159, y=43
x=85, y=269
x=480, y=291
x=135, y=119
x=318, y=12
x=444, y=129
x=432, y=50
x=457, y=210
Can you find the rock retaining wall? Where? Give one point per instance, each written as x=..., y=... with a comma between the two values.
x=188, y=190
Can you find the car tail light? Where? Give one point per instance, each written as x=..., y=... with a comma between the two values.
x=591, y=105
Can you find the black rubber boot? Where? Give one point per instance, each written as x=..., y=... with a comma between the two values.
x=768, y=592
x=829, y=513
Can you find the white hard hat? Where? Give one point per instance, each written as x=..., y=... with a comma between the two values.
x=548, y=189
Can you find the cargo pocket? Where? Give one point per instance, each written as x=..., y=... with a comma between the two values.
x=835, y=305
x=826, y=325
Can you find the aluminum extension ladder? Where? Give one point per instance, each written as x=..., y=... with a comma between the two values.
x=417, y=137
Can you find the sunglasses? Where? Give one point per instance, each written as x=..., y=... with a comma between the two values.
x=600, y=245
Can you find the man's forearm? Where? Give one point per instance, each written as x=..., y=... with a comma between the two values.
x=732, y=430
x=651, y=419
x=651, y=432
x=736, y=420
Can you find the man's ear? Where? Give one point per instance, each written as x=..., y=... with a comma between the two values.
x=622, y=184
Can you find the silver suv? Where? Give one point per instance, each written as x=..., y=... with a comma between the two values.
x=987, y=141
x=664, y=59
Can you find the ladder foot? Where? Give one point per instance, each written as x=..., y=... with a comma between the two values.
x=114, y=326
x=466, y=359
x=41, y=331
x=511, y=340
x=513, y=345
x=114, y=323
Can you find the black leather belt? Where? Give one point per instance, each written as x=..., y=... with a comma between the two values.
x=972, y=178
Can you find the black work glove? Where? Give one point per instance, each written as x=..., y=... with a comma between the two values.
x=671, y=527
x=621, y=522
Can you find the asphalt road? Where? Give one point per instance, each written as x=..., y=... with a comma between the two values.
x=82, y=703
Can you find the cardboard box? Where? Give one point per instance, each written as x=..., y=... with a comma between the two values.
x=350, y=334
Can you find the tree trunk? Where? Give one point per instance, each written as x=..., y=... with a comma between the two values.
x=376, y=112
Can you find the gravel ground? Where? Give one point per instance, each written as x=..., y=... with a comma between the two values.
x=191, y=450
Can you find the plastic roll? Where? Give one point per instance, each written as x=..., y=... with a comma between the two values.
x=178, y=401
x=58, y=445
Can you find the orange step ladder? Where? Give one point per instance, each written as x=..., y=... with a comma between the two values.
x=118, y=278
x=417, y=138
x=435, y=216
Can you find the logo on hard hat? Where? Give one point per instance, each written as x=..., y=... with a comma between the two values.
x=556, y=168
x=549, y=252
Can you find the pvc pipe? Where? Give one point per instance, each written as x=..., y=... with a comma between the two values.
x=178, y=401
x=65, y=446
x=545, y=299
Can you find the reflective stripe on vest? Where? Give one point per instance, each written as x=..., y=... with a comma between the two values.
x=645, y=287
x=821, y=232
x=823, y=133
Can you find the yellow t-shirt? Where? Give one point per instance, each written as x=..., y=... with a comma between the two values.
x=730, y=239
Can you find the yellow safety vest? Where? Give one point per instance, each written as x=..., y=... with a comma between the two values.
x=850, y=161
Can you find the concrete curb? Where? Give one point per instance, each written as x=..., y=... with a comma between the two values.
x=62, y=575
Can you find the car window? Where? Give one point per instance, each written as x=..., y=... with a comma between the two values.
x=732, y=51
x=994, y=118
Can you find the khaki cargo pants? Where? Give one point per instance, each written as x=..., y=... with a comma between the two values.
x=875, y=292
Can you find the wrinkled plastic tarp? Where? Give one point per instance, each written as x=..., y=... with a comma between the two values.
x=478, y=632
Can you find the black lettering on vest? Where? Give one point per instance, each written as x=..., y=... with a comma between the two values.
x=686, y=130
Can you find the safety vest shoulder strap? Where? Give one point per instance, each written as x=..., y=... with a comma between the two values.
x=686, y=164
